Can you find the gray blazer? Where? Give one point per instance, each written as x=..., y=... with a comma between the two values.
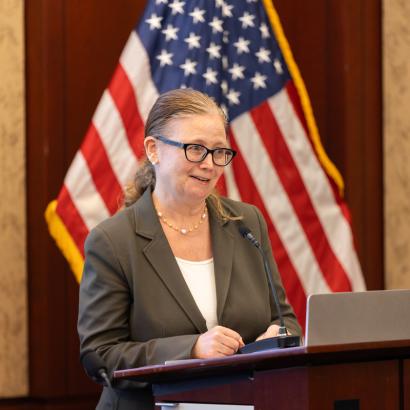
x=136, y=309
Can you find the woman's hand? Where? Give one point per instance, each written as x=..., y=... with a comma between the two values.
x=271, y=331
x=217, y=342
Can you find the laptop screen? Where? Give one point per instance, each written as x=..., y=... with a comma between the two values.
x=347, y=317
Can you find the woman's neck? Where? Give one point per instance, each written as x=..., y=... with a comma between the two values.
x=177, y=210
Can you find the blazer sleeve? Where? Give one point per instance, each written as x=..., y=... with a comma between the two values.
x=287, y=312
x=103, y=321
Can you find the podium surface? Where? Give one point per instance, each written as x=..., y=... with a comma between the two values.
x=356, y=376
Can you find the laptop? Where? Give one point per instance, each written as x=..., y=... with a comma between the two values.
x=355, y=317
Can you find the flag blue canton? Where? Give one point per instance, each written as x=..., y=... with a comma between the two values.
x=223, y=48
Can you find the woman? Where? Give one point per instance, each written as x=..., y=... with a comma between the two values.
x=170, y=277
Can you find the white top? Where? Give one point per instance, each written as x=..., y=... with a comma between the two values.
x=200, y=278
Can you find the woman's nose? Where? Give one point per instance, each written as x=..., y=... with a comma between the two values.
x=207, y=161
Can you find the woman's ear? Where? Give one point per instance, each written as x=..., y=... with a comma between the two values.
x=151, y=149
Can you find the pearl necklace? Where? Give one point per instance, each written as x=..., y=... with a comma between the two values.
x=183, y=231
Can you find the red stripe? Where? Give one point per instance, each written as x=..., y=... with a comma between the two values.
x=297, y=106
x=72, y=220
x=250, y=194
x=122, y=92
x=292, y=182
x=295, y=101
x=101, y=171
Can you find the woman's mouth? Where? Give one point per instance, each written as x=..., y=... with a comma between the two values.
x=201, y=179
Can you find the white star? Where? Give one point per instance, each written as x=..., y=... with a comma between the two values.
x=264, y=30
x=242, y=45
x=154, y=21
x=177, y=7
x=189, y=67
x=225, y=37
x=251, y=1
x=226, y=10
x=197, y=15
x=165, y=58
x=216, y=25
x=170, y=32
x=237, y=71
x=233, y=97
x=213, y=50
x=210, y=76
x=193, y=41
x=278, y=66
x=161, y=1
x=247, y=20
x=224, y=87
x=258, y=81
x=263, y=55
x=219, y=3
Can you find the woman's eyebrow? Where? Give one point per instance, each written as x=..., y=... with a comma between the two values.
x=220, y=144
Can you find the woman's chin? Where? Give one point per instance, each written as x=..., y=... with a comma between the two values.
x=200, y=193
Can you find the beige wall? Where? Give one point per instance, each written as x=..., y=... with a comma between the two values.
x=13, y=287
x=396, y=67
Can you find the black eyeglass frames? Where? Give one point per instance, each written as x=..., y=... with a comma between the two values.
x=197, y=152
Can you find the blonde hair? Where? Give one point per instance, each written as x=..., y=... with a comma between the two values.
x=179, y=103
x=170, y=105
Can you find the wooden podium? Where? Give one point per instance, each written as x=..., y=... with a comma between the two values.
x=363, y=376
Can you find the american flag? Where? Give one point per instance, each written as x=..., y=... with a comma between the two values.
x=236, y=52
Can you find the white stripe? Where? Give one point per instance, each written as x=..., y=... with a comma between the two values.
x=135, y=61
x=84, y=194
x=278, y=205
x=110, y=127
x=231, y=187
x=337, y=229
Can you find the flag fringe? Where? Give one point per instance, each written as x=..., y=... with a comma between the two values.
x=328, y=165
x=64, y=240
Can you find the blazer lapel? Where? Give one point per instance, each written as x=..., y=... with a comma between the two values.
x=159, y=254
x=223, y=250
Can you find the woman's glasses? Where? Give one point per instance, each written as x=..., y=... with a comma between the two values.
x=197, y=152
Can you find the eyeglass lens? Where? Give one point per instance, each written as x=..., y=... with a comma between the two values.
x=197, y=153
